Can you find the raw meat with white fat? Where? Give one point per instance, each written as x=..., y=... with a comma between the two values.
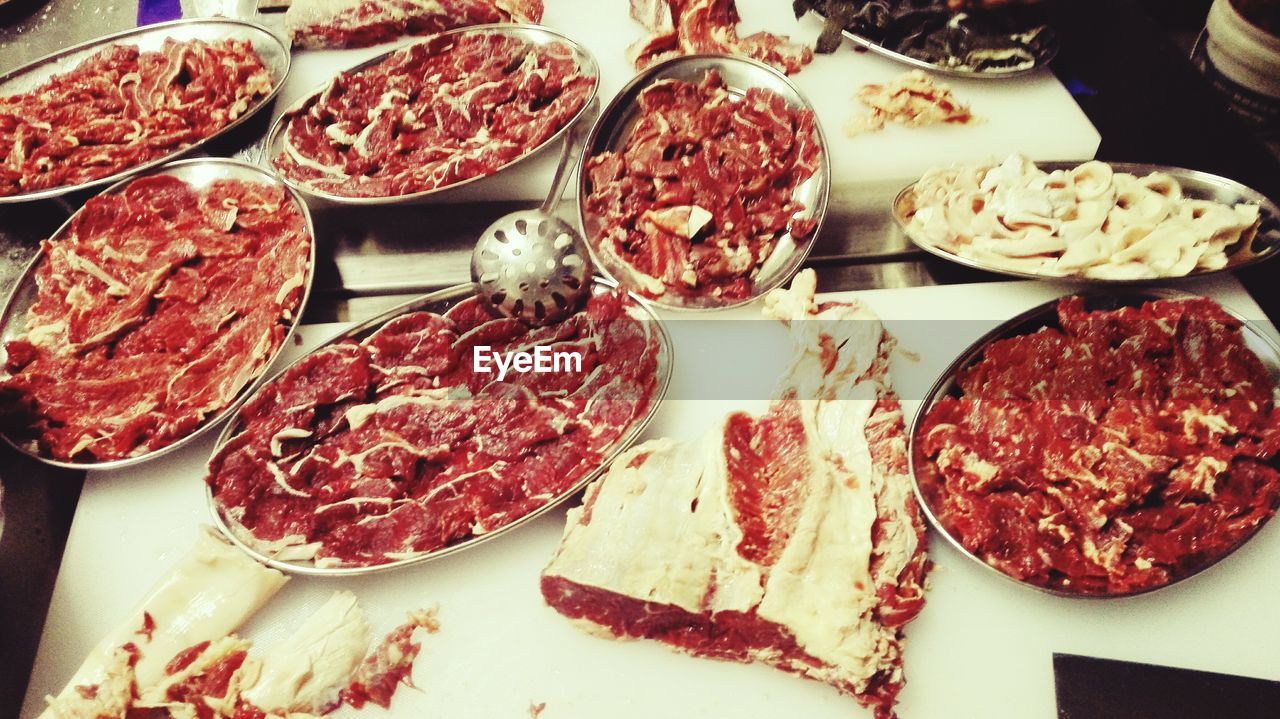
x=368, y=452
x=309, y=673
x=318, y=24
x=123, y=107
x=157, y=307
x=214, y=582
x=694, y=27
x=439, y=112
x=792, y=538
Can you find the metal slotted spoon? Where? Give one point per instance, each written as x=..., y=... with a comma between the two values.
x=532, y=265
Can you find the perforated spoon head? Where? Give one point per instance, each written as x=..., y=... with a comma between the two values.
x=532, y=266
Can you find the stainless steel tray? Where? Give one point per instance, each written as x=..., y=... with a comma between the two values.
x=1034, y=319
x=273, y=51
x=614, y=126
x=533, y=34
x=199, y=172
x=1254, y=247
x=1042, y=60
x=440, y=302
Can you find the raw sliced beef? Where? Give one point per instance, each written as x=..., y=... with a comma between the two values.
x=694, y=27
x=160, y=304
x=436, y=113
x=368, y=452
x=1115, y=453
x=318, y=24
x=701, y=194
x=123, y=107
x=792, y=538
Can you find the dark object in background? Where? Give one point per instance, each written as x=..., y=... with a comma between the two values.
x=1242, y=60
x=1263, y=13
x=1092, y=688
x=1010, y=38
x=154, y=11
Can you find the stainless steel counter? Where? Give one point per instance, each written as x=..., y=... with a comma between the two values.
x=368, y=252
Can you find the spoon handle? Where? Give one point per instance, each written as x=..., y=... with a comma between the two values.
x=562, y=170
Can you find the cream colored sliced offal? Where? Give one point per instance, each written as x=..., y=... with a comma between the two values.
x=1088, y=221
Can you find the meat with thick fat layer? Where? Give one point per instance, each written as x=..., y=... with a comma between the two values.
x=368, y=452
x=792, y=538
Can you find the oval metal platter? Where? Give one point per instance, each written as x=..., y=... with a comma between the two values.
x=199, y=172
x=273, y=51
x=614, y=126
x=1260, y=244
x=1043, y=58
x=533, y=34
x=439, y=302
x=1041, y=316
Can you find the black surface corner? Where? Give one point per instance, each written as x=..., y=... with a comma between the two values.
x=1093, y=688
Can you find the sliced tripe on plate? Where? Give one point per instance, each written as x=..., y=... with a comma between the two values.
x=791, y=538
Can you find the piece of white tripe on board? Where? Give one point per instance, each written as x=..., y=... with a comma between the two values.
x=177, y=654
x=208, y=594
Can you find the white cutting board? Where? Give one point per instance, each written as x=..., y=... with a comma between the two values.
x=1033, y=115
x=981, y=648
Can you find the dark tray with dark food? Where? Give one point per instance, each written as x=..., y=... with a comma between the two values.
x=970, y=42
x=1104, y=445
x=389, y=445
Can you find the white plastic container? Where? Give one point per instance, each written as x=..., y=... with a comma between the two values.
x=1244, y=62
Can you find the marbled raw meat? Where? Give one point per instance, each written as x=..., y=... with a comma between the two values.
x=318, y=24
x=697, y=27
x=701, y=193
x=123, y=107
x=159, y=305
x=439, y=112
x=368, y=452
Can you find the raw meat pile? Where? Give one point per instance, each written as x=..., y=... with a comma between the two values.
x=320, y=24
x=366, y=453
x=121, y=108
x=912, y=99
x=178, y=655
x=702, y=191
x=158, y=306
x=695, y=27
x=792, y=538
x=433, y=114
x=1115, y=454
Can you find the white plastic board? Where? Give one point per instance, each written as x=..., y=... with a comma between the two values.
x=1034, y=115
x=981, y=648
